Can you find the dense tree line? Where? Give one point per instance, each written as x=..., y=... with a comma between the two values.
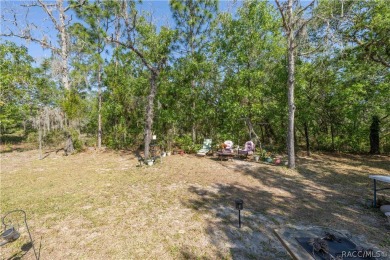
x=123, y=77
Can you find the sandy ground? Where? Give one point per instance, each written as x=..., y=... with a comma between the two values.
x=100, y=205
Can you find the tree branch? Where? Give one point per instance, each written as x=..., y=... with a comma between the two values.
x=50, y=14
x=139, y=54
x=304, y=9
x=380, y=60
x=297, y=32
x=80, y=4
x=285, y=25
x=70, y=20
x=41, y=42
x=37, y=5
x=309, y=52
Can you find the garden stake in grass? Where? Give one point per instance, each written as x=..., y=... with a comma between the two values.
x=239, y=206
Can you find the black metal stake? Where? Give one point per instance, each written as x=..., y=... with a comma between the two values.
x=239, y=206
x=239, y=218
x=374, y=193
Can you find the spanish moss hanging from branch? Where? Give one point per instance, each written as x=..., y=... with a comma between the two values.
x=51, y=119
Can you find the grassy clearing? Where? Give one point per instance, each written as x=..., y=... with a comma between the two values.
x=99, y=205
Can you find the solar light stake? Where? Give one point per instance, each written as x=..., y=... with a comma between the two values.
x=239, y=218
x=239, y=206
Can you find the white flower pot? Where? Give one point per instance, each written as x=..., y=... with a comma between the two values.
x=150, y=163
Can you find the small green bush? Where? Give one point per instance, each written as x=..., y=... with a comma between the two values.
x=185, y=142
x=90, y=141
x=32, y=138
x=77, y=142
x=54, y=138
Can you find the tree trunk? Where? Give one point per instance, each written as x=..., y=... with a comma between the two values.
x=252, y=131
x=291, y=80
x=332, y=136
x=193, y=114
x=117, y=35
x=150, y=112
x=193, y=133
x=64, y=46
x=69, y=149
x=262, y=133
x=99, y=109
x=293, y=26
x=40, y=140
x=307, y=139
x=374, y=135
x=270, y=134
x=296, y=142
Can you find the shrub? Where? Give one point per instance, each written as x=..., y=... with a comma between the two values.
x=185, y=143
x=32, y=138
x=77, y=142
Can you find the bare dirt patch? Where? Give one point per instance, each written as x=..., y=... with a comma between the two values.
x=100, y=205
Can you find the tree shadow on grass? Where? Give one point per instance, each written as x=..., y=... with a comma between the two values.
x=353, y=182
x=12, y=150
x=273, y=199
x=367, y=161
x=332, y=193
x=255, y=239
x=343, y=197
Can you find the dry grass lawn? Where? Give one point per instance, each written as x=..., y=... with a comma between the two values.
x=100, y=205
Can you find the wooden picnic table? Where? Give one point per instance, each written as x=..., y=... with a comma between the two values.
x=382, y=178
